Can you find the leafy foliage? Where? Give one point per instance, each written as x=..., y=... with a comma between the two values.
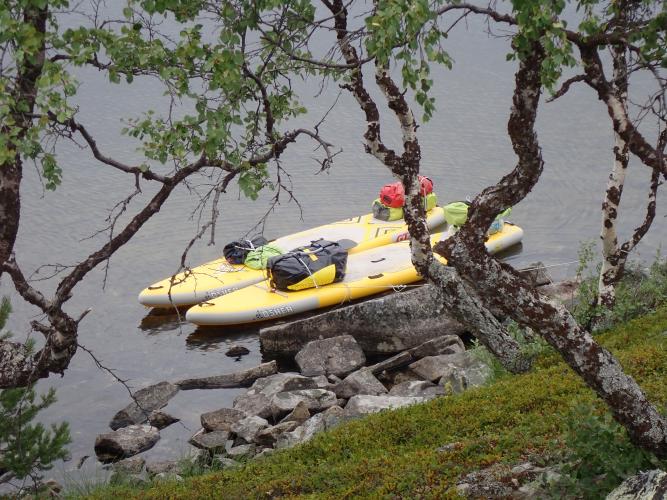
x=600, y=455
x=640, y=291
x=27, y=448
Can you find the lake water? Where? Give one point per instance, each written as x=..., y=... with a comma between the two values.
x=465, y=148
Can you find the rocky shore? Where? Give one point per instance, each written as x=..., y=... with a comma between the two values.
x=424, y=358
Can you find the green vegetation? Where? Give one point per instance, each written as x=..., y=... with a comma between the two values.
x=396, y=453
x=641, y=291
x=26, y=449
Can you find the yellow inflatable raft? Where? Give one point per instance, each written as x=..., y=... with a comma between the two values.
x=218, y=277
x=369, y=272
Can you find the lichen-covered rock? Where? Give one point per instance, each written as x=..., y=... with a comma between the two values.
x=315, y=400
x=247, y=428
x=281, y=382
x=360, y=382
x=211, y=441
x=420, y=388
x=147, y=400
x=364, y=405
x=318, y=423
x=125, y=442
x=269, y=436
x=254, y=404
x=649, y=485
x=432, y=368
x=336, y=356
x=299, y=414
x=222, y=419
x=384, y=325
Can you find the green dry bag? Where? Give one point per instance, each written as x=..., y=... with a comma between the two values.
x=456, y=213
x=257, y=258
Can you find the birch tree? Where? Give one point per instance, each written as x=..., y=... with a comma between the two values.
x=235, y=129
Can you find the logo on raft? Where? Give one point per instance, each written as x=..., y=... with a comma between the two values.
x=220, y=292
x=272, y=313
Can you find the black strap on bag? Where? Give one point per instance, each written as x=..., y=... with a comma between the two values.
x=288, y=271
x=236, y=251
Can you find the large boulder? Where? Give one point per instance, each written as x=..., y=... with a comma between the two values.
x=364, y=405
x=299, y=414
x=314, y=399
x=383, y=325
x=222, y=419
x=649, y=485
x=334, y=356
x=145, y=401
x=125, y=442
x=360, y=382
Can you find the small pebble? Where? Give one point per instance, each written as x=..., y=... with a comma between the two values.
x=237, y=350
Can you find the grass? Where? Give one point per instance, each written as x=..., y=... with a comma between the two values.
x=395, y=453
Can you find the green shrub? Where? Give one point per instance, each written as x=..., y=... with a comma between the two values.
x=600, y=455
x=26, y=448
x=640, y=291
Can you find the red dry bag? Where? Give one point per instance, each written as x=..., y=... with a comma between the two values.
x=426, y=185
x=393, y=195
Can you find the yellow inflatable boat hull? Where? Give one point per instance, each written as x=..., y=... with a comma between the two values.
x=368, y=273
x=218, y=277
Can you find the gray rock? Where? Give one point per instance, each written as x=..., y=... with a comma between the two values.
x=453, y=381
x=242, y=452
x=163, y=467
x=264, y=452
x=222, y=419
x=247, y=428
x=384, y=325
x=445, y=344
x=147, y=400
x=236, y=351
x=364, y=405
x=243, y=378
x=315, y=399
x=649, y=485
x=281, y=382
x=333, y=379
x=254, y=404
x=210, y=441
x=565, y=292
x=161, y=420
x=474, y=371
x=119, y=478
x=398, y=377
x=299, y=414
x=269, y=436
x=320, y=422
x=337, y=356
x=132, y=465
x=322, y=382
x=421, y=388
x=360, y=382
x=125, y=442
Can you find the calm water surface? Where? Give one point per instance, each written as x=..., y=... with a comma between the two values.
x=465, y=148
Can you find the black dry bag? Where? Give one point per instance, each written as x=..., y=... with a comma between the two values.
x=320, y=263
x=236, y=251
